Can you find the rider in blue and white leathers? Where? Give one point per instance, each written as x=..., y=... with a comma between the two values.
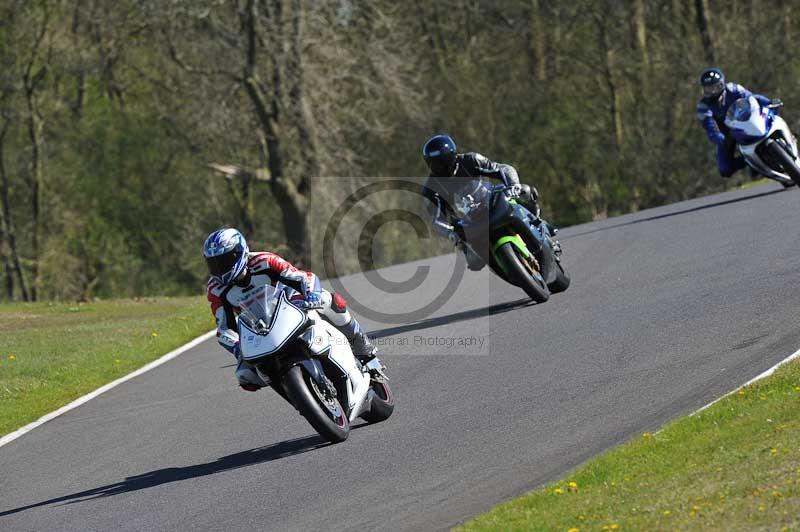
x=235, y=275
x=718, y=96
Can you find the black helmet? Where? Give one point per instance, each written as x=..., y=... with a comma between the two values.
x=712, y=80
x=440, y=155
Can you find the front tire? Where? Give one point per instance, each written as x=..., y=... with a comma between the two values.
x=382, y=404
x=324, y=413
x=786, y=160
x=523, y=275
x=561, y=282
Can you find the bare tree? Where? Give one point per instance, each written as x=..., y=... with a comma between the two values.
x=704, y=26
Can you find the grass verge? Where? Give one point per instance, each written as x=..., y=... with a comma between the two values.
x=734, y=466
x=53, y=353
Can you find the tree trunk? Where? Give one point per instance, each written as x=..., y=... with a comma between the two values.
x=35, y=137
x=615, y=97
x=536, y=40
x=290, y=194
x=704, y=26
x=35, y=126
x=7, y=228
x=80, y=82
x=640, y=33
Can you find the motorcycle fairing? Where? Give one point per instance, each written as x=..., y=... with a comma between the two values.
x=748, y=122
x=286, y=323
x=754, y=127
x=330, y=343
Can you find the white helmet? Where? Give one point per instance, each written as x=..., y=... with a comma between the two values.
x=226, y=254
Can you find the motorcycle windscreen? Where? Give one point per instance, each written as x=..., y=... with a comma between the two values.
x=746, y=121
x=471, y=196
x=287, y=321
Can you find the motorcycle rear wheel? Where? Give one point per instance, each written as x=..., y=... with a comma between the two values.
x=535, y=289
x=324, y=413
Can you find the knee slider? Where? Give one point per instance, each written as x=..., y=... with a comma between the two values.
x=338, y=303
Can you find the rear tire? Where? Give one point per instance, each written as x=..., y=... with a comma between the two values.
x=562, y=280
x=326, y=415
x=536, y=290
x=787, y=161
x=382, y=403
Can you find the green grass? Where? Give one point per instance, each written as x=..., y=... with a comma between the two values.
x=756, y=183
x=53, y=353
x=734, y=466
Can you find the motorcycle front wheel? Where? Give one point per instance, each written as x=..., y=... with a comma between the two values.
x=522, y=271
x=321, y=410
x=788, y=163
x=382, y=404
x=562, y=280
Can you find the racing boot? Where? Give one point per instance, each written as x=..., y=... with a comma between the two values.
x=363, y=349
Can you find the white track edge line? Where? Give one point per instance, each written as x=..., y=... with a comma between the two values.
x=8, y=438
x=766, y=373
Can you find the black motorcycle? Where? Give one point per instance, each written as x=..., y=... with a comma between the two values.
x=516, y=243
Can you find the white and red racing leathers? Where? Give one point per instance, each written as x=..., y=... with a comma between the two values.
x=270, y=269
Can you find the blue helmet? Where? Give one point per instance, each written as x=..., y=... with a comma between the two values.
x=712, y=80
x=439, y=153
x=226, y=254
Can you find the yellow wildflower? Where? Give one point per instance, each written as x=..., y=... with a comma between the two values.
x=666, y=513
x=558, y=491
x=12, y=357
x=572, y=485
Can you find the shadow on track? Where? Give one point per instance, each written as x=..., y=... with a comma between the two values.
x=678, y=213
x=452, y=318
x=176, y=474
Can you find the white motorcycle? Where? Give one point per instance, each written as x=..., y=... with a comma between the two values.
x=310, y=364
x=764, y=140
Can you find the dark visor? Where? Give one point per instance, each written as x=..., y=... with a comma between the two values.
x=713, y=90
x=222, y=264
x=441, y=166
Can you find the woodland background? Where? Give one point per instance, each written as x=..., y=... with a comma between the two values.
x=130, y=129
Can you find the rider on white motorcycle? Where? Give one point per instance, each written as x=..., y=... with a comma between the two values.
x=718, y=96
x=235, y=272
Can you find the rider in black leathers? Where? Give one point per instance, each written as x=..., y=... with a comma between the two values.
x=449, y=172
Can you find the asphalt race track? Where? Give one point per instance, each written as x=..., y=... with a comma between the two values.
x=669, y=308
